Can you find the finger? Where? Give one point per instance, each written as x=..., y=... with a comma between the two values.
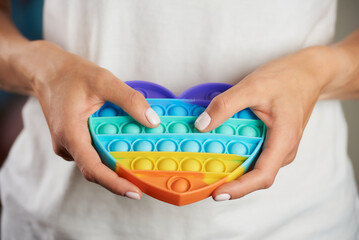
x=263, y=175
x=130, y=100
x=224, y=106
x=78, y=143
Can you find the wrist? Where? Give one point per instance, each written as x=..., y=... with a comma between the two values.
x=323, y=67
x=36, y=64
x=341, y=64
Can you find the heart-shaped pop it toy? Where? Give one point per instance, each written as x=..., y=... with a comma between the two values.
x=174, y=162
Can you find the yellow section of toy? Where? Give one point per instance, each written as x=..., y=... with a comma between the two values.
x=179, y=161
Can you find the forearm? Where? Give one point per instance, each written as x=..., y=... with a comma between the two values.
x=345, y=82
x=13, y=54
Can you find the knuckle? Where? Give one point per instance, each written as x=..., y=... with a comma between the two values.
x=57, y=149
x=267, y=181
x=87, y=174
x=100, y=74
x=136, y=97
x=100, y=78
x=221, y=103
x=60, y=151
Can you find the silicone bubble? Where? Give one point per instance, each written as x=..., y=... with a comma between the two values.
x=238, y=148
x=225, y=129
x=215, y=166
x=159, y=110
x=190, y=146
x=119, y=146
x=132, y=128
x=142, y=164
x=214, y=147
x=177, y=111
x=167, y=165
x=178, y=128
x=180, y=184
x=107, y=128
x=143, y=145
x=159, y=129
x=191, y=165
x=248, y=131
x=167, y=146
x=197, y=111
x=108, y=112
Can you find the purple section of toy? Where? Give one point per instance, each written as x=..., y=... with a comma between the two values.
x=198, y=94
x=151, y=90
x=205, y=91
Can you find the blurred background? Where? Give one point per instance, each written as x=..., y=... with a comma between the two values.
x=27, y=15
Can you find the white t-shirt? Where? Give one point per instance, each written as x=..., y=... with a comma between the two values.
x=179, y=44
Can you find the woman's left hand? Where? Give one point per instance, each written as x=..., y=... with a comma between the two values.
x=282, y=94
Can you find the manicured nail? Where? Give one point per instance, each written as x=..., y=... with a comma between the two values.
x=202, y=121
x=152, y=116
x=133, y=195
x=222, y=197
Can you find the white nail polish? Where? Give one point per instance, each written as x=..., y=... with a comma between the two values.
x=202, y=121
x=133, y=195
x=222, y=197
x=152, y=116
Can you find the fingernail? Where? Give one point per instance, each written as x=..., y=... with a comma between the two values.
x=202, y=121
x=222, y=197
x=152, y=116
x=133, y=195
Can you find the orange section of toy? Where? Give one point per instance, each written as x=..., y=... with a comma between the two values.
x=178, y=186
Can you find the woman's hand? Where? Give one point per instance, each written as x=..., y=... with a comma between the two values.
x=282, y=94
x=70, y=89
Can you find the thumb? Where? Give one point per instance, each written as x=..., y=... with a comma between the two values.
x=132, y=102
x=223, y=107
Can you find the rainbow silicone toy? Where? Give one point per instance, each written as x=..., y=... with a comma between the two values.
x=174, y=162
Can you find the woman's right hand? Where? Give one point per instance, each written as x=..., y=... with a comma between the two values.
x=70, y=89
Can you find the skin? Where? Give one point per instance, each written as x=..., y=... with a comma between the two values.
x=282, y=93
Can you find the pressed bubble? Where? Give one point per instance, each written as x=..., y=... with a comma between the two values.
x=107, y=128
x=238, y=149
x=214, y=147
x=197, y=111
x=225, y=129
x=248, y=131
x=143, y=164
x=180, y=185
x=108, y=112
x=167, y=146
x=119, y=146
x=159, y=129
x=143, y=145
x=159, y=110
x=215, y=166
x=191, y=165
x=167, y=165
x=178, y=128
x=177, y=111
x=132, y=128
x=190, y=146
